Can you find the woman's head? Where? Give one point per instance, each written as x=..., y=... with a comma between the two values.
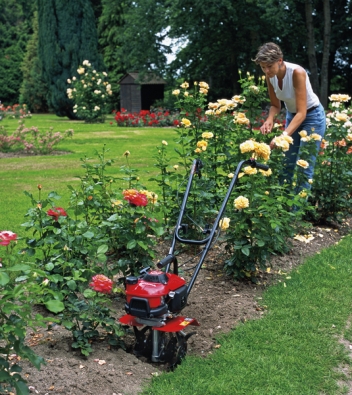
x=268, y=53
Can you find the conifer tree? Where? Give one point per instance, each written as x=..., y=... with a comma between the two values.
x=33, y=89
x=14, y=31
x=67, y=37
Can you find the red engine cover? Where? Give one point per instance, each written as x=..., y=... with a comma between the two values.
x=153, y=291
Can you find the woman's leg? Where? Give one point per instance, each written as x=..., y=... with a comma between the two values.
x=315, y=122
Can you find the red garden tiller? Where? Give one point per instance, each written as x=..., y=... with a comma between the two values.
x=156, y=297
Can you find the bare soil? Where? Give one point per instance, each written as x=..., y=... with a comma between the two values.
x=218, y=302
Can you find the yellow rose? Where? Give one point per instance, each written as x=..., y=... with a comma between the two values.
x=204, y=85
x=202, y=144
x=247, y=146
x=240, y=118
x=339, y=98
x=266, y=173
x=185, y=85
x=349, y=137
x=341, y=116
x=303, y=194
x=197, y=150
x=186, y=122
x=176, y=92
x=254, y=89
x=175, y=167
x=230, y=175
x=262, y=150
x=224, y=223
x=250, y=170
x=241, y=202
x=213, y=106
x=203, y=90
x=281, y=142
x=315, y=136
x=303, y=163
x=238, y=99
x=266, y=192
x=207, y=135
x=303, y=133
x=164, y=142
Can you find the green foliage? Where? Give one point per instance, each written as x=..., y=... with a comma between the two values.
x=33, y=89
x=67, y=36
x=14, y=30
x=110, y=38
x=221, y=137
x=89, y=92
x=331, y=189
x=100, y=233
x=19, y=291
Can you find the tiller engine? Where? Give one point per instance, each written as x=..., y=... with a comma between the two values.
x=155, y=299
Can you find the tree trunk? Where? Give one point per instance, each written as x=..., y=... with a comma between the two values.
x=314, y=79
x=324, y=76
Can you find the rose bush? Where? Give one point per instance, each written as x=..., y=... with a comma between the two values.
x=90, y=92
x=31, y=139
x=331, y=186
x=156, y=118
x=102, y=232
x=19, y=290
x=221, y=134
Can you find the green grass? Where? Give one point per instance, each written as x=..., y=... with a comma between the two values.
x=294, y=349
x=54, y=173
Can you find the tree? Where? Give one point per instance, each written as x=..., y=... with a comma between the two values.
x=217, y=39
x=33, y=89
x=317, y=35
x=110, y=24
x=14, y=30
x=67, y=37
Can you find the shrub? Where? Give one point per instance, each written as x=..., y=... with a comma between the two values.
x=89, y=92
x=102, y=231
x=156, y=118
x=31, y=139
x=331, y=188
x=19, y=291
x=218, y=137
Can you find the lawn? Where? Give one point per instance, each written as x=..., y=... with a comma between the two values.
x=55, y=172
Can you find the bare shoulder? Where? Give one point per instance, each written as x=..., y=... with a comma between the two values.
x=299, y=75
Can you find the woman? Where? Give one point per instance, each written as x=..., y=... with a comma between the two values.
x=289, y=82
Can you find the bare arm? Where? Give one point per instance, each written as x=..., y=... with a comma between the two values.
x=275, y=107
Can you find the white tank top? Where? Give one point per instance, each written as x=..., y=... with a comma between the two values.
x=287, y=93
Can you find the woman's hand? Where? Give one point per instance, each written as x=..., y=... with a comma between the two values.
x=272, y=143
x=266, y=127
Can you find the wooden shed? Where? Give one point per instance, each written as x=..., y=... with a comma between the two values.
x=138, y=95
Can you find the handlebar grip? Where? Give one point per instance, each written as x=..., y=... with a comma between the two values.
x=261, y=166
x=165, y=261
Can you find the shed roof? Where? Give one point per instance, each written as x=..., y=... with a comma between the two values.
x=149, y=79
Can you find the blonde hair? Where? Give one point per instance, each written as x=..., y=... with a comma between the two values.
x=268, y=53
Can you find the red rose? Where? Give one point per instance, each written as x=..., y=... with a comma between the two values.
x=56, y=212
x=135, y=198
x=101, y=284
x=6, y=236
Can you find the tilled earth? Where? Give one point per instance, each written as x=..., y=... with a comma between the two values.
x=216, y=301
